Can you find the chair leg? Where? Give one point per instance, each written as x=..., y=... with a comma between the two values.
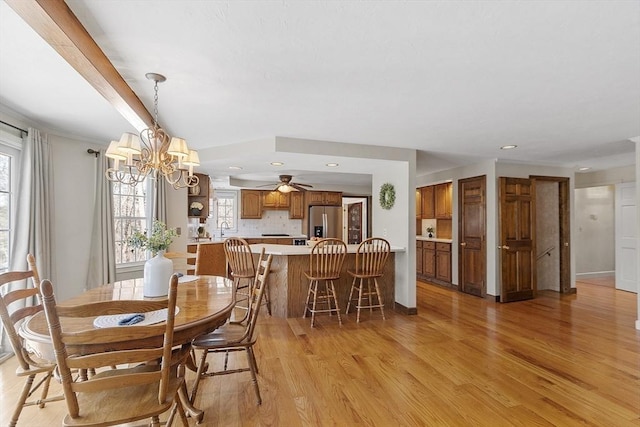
x=335, y=299
x=353, y=284
x=45, y=390
x=315, y=299
x=26, y=389
x=360, y=286
x=254, y=378
x=199, y=373
x=380, y=301
x=306, y=304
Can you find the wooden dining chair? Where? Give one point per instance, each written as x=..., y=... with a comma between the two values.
x=235, y=336
x=240, y=260
x=325, y=265
x=371, y=257
x=20, y=299
x=210, y=260
x=146, y=379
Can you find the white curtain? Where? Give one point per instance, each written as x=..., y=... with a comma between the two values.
x=160, y=199
x=102, y=258
x=34, y=219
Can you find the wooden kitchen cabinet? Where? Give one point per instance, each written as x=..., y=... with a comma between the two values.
x=250, y=204
x=433, y=262
x=443, y=196
x=275, y=200
x=418, y=203
x=443, y=262
x=324, y=198
x=426, y=194
x=296, y=205
x=429, y=259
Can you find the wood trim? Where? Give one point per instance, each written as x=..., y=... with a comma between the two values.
x=60, y=28
x=409, y=311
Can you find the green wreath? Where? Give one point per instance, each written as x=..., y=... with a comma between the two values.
x=387, y=196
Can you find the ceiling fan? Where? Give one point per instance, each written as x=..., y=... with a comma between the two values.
x=286, y=186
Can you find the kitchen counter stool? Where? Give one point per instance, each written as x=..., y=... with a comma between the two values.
x=371, y=256
x=325, y=264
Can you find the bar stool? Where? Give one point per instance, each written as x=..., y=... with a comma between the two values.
x=325, y=263
x=243, y=272
x=371, y=257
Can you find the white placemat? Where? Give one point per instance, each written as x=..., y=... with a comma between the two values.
x=150, y=318
x=187, y=278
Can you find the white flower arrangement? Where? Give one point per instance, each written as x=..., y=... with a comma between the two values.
x=197, y=205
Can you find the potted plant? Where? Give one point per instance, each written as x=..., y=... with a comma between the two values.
x=158, y=269
x=430, y=230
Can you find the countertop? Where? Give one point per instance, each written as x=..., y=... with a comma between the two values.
x=433, y=239
x=217, y=239
x=302, y=250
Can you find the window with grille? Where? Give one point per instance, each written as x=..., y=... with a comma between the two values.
x=226, y=209
x=129, y=215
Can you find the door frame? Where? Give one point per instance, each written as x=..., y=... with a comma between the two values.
x=564, y=221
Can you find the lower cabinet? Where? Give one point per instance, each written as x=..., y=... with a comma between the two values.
x=433, y=262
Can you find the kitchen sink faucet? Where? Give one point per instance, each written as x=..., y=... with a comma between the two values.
x=226, y=227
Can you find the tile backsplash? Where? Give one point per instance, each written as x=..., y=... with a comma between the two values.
x=271, y=222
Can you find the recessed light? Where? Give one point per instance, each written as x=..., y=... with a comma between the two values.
x=583, y=169
x=277, y=163
x=333, y=165
x=508, y=147
x=235, y=167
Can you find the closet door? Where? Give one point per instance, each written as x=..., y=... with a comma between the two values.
x=626, y=269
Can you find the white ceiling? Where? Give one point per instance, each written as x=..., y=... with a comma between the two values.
x=453, y=79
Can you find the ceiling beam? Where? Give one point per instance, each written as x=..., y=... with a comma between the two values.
x=60, y=28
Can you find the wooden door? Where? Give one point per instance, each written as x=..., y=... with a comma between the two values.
x=472, y=229
x=517, y=241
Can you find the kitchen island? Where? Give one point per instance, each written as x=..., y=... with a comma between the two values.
x=288, y=285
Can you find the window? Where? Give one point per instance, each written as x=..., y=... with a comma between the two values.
x=9, y=157
x=227, y=209
x=129, y=214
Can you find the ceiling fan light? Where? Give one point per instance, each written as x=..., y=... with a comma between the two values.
x=285, y=188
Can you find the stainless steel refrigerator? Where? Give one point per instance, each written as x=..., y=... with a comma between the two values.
x=325, y=221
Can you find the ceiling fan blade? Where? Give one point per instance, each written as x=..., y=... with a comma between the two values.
x=268, y=185
x=300, y=187
x=304, y=185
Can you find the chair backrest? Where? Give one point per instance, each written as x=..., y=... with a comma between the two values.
x=258, y=289
x=371, y=256
x=87, y=347
x=210, y=260
x=180, y=261
x=326, y=258
x=239, y=257
x=17, y=304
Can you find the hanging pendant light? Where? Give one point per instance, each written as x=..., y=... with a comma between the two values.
x=152, y=152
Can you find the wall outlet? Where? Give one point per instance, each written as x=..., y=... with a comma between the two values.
x=179, y=231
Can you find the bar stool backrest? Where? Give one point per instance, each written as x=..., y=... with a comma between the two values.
x=239, y=257
x=326, y=258
x=371, y=256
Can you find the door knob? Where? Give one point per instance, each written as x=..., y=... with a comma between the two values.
x=463, y=243
x=503, y=247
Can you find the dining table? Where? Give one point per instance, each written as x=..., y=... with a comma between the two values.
x=204, y=303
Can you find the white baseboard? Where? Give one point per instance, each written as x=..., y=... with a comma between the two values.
x=595, y=274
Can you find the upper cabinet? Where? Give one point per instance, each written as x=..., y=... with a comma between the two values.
x=426, y=194
x=275, y=200
x=443, y=195
x=198, y=200
x=324, y=198
x=296, y=205
x=253, y=202
x=418, y=204
x=250, y=204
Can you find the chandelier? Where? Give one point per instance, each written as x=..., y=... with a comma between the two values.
x=152, y=152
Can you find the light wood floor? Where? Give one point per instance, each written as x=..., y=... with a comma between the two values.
x=462, y=361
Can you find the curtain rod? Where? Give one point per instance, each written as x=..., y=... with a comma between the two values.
x=12, y=126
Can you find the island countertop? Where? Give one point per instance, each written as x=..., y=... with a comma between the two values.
x=271, y=249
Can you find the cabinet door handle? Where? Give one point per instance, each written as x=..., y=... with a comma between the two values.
x=463, y=243
x=504, y=247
